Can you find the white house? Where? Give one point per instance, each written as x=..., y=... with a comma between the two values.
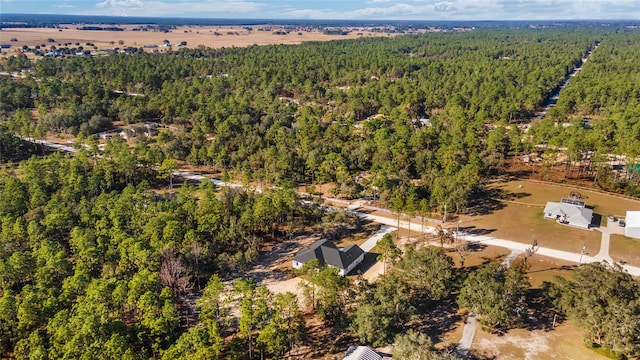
x=345, y=259
x=570, y=212
x=632, y=229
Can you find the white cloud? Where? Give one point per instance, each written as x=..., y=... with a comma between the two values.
x=120, y=4
x=469, y=9
x=64, y=5
x=479, y=10
x=203, y=8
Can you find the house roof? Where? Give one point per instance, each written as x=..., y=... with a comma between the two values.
x=312, y=252
x=327, y=252
x=572, y=213
x=363, y=353
x=633, y=219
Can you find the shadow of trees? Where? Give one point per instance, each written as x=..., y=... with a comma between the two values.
x=541, y=312
x=473, y=230
x=370, y=259
x=489, y=200
x=437, y=318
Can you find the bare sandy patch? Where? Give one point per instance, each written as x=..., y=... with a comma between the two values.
x=563, y=342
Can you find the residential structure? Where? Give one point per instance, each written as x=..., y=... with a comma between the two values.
x=569, y=211
x=363, y=353
x=325, y=251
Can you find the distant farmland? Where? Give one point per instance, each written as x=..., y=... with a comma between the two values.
x=194, y=36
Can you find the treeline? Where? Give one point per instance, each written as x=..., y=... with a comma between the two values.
x=497, y=74
x=94, y=264
x=602, y=103
x=13, y=148
x=423, y=290
x=309, y=113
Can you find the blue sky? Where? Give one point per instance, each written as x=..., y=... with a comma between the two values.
x=339, y=9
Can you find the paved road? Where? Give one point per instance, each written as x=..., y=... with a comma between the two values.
x=373, y=240
x=509, y=244
x=551, y=102
x=468, y=333
x=480, y=239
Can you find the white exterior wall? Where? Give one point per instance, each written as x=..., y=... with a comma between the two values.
x=342, y=272
x=353, y=265
x=632, y=232
x=579, y=224
x=632, y=229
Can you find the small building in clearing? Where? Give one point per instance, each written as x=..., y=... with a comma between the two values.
x=632, y=228
x=569, y=211
x=326, y=252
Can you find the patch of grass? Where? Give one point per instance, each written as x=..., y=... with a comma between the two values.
x=562, y=342
x=606, y=352
x=625, y=249
x=358, y=237
x=523, y=223
x=542, y=268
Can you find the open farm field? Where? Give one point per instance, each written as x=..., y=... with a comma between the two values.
x=210, y=36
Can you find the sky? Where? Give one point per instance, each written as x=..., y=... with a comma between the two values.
x=339, y=9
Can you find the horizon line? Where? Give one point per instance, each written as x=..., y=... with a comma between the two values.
x=318, y=19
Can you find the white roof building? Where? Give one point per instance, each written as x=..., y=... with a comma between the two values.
x=632, y=229
x=569, y=213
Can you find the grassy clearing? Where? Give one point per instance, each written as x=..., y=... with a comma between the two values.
x=625, y=249
x=563, y=342
x=516, y=214
x=544, y=268
x=524, y=223
x=534, y=193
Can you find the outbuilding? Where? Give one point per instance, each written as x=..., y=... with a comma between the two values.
x=632, y=228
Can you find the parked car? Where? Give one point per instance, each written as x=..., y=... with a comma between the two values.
x=612, y=218
x=622, y=223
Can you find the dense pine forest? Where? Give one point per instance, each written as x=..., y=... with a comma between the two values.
x=101, y=258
